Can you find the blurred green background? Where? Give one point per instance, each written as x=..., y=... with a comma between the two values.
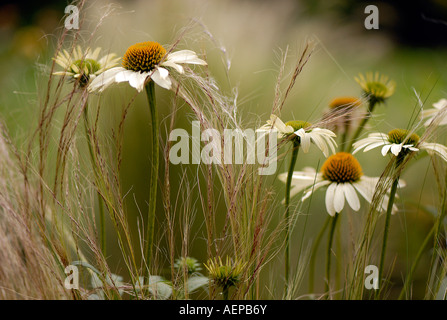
x=410, y=47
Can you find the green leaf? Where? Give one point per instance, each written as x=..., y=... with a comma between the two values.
x=159, y=288
x=196, y=282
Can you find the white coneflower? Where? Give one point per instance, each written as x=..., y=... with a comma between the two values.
x=322, y=138
x=342, y=174
x=431, y=114
x=146, y=60
x=399, y=142
x=84, y=66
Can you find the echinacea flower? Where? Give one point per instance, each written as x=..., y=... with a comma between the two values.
x=225, y=274
x=190, y=264
x=342, y=174
x=399, y=142
x=322, y=138
x=431, y=114
x=376, y=87
x=345, y=102
x=343, y=112
x=146, y=60
x=84, y=66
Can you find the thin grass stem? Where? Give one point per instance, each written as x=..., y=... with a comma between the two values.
x=296, y=145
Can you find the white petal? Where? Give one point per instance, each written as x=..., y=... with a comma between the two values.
x=313, y=188
x=124, y=75
x=396, y=148
x=161, y=77
x=385, y=149
x=319, y=142
x=440, y=104
x=174, y=65
x=305, y=139
x=351, y=196
x=433, y=148
x=330, y=194
x=366, y=187
x=185, y=56
x=105, y=79
x=373, y=145
x=339, y=198
x=137, y=80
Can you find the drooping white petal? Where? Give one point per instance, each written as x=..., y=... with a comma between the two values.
x=396, y=148
x=124, y=76
x=374, y=145
x=305, y=139
x=161, y=77
x=410, y=147
x=137, y=80
x=185, y=56
x=440, y=104
x=434, y=148
x=174, y=65
x=105, y=79
x=314, y=187
x=351, y=196
x=330, y=194
x=319, y=142
x=300, y=180
x=385, y=149
x=339, y=197
x=366, y=187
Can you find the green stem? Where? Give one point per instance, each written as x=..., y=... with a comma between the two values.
x=296, y=145
x=150, y=92
x=329, y=252
x=102, y=226
x=387, y=225
x=416, y=262
x=362, y=124
x=225, y=291
x=314, y=254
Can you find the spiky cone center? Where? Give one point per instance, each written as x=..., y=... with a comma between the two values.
x=298, y=124
x=376, y=87
x=85, y=67
x=190, y=264
x=226, y=274
x=344, y=102
x=399, y=136
x=341, y=167
x=144, y=56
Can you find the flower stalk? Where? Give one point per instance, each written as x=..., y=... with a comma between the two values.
x=295, y=149
x=150, y=92
x=387, y=224
x=371, y=105
x=329, y=253
x=313, y=256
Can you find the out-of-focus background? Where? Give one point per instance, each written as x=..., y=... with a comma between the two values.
x=410, y=47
